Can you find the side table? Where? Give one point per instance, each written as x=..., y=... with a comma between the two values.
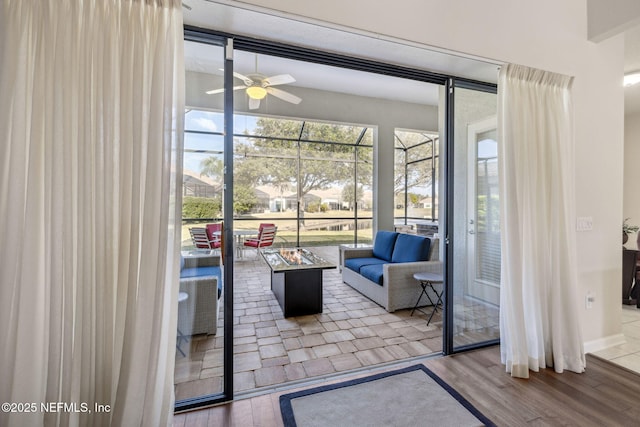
x=427, y=280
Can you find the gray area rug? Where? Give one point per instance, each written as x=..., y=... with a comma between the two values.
x=412, y=396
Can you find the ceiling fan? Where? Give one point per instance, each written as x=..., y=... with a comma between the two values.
x=257, y=86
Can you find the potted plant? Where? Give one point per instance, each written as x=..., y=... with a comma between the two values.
x=626, y=229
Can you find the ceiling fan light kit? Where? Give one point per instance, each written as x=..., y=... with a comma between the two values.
x=256, y=92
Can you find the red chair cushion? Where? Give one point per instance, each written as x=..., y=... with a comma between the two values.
x=251, y=243
x=211, y=229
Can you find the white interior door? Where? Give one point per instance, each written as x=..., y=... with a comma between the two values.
x=483, y=216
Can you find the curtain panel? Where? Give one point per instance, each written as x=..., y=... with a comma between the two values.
x=539, y=317
x=90, y=151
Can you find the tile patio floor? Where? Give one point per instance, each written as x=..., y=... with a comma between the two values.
x=352, y=332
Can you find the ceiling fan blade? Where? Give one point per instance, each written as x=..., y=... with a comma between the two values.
x=247, y=81
x=285, y=96
x=280, y=79
x=254, y=103
x=211, y=92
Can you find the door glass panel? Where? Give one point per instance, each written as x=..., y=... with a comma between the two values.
x=476, y=220
x=199, y=363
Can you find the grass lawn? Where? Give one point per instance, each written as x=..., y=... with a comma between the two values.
x=314, y=232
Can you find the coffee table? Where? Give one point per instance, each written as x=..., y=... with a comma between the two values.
x=296, y=279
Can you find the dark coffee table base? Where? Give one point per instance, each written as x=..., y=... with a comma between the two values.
x=299, y=292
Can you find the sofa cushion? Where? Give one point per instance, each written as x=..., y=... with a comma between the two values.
x=410, y=248
x=356, y=264
x=383, y=245
x=189, y=273
x=373, y=272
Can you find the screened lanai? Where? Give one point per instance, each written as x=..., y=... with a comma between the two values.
x=312, y=179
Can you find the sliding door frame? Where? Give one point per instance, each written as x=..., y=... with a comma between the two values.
x=231, y=42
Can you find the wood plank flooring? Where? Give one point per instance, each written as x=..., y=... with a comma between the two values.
x=605, y=395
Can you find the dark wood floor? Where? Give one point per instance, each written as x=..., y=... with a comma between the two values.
x=605, y=395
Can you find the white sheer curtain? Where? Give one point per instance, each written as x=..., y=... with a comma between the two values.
x=92, y=100
x=539, y=318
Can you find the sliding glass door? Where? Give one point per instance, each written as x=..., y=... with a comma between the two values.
x=473, y=220
x=317, y=160
x=201, y=366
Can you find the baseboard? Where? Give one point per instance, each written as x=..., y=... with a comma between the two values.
x=602, y=343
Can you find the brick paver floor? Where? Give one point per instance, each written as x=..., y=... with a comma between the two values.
x=351, y=332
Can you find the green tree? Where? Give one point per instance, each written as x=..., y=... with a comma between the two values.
x=274, y=162
x=323, y=164
x=213, y=167
x=351, y=196
x=414, y=198
x=244, y=199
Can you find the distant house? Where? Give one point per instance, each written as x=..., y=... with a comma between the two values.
x=264, y=201
x=196, y=185
x=273, y=199
x=307, y=200
x=425, y=203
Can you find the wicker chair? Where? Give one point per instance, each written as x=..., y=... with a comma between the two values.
x=201, y=280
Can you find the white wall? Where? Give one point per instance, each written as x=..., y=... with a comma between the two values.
x=545, y=34
x=632, y=173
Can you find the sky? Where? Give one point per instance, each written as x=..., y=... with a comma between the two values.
x=208, y=121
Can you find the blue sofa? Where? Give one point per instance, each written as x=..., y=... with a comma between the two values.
x=385, y=272
x=201, y=279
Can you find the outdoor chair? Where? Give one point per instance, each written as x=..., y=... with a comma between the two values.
x=214, y=234
x=199, y=238
x=266, y=236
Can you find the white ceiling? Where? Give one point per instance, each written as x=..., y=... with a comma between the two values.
x=258, y=24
